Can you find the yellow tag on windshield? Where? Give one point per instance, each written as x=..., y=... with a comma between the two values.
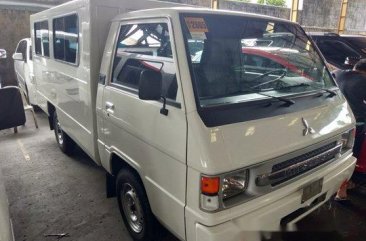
x=196, y=25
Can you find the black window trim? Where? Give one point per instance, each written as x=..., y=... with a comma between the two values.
x=49, y=47
x=77, y=63
x=134, y=91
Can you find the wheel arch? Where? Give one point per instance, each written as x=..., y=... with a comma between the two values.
x=117, y=163
x=50, y=110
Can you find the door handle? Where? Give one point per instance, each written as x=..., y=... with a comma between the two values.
x=109, y=107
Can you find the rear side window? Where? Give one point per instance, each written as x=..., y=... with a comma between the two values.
x=41, y=36
x=145, y=46
x=66, y=38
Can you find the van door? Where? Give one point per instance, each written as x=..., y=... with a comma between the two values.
x=152, y=143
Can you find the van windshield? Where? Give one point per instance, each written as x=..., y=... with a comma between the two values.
x=239, y=59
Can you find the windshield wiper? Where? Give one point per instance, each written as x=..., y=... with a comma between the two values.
x=331, y=92
x=288, y=102
x=294, y=86
x=284, y=73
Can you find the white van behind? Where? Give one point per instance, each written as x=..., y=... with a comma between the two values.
x=251, y=135
x=23, y=66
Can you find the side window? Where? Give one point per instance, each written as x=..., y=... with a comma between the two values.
x=66, y=38
x=41, y=36
x=145, y=46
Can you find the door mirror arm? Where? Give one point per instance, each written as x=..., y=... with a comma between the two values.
x=164, y=110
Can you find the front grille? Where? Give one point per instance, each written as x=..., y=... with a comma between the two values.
x=284, y=171
x=303, y=157
x=321, y=153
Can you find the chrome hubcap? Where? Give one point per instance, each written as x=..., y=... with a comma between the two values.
x=132, y=208
x=59, y=133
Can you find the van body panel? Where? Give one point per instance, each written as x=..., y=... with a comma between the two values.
x=240, y=145
x=147, y=140
x=263, y=213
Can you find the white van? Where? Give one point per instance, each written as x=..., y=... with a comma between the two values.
x=246, y=137
x=23, y=66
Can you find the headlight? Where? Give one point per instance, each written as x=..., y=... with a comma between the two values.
x=348, y=140
x=217, y=189
x=234, y=184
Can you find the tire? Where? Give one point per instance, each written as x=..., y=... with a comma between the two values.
x=65, y=143
x=135, y=208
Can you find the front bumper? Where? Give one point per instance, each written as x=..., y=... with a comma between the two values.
x=266, y=214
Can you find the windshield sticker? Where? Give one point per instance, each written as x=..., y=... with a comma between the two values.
x=198, y=36
x=196, y=25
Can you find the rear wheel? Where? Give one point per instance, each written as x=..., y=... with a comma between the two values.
x=135, y=208
x=65, y=143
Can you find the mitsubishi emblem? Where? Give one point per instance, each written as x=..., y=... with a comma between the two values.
x=308, y=130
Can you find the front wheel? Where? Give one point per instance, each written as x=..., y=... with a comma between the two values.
x=135, y=208
x=65, y=143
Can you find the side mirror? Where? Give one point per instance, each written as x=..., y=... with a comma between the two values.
x=3, y=54
x=150, y=85
x=18, y=56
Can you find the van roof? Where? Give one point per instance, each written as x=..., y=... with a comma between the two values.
x=200, y=10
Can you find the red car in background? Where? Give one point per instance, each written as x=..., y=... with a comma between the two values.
x=274, y=57
x=269, y=58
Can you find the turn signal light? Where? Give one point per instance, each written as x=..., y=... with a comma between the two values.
x=210, y=185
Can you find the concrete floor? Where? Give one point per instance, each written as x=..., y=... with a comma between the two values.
x=50, y=192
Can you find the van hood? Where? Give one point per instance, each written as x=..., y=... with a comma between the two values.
x=230, y=147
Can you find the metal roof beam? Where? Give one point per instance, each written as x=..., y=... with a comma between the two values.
x=342, y=17
x=295, y=6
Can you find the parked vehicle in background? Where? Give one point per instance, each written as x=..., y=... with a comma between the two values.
x=338, y=52
x=6, y=227
x=264, y=59
x=358, y=42
x=3, y=54
x=23, y=66
x=212, y=149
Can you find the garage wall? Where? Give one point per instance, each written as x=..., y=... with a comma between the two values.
x=242, y=6
x=322, y=15
x=356, y=20
x=14, y=26
x=257, y=8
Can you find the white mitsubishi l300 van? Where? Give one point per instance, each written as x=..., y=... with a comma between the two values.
x=214, y=123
